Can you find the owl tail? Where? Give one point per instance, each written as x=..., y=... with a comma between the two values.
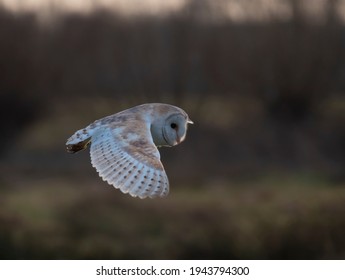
x=79, y=140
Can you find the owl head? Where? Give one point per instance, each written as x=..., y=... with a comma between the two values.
x=169, y=125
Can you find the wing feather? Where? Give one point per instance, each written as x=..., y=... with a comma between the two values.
x=127, y=158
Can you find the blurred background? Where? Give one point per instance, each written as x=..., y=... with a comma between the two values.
x=261, y=173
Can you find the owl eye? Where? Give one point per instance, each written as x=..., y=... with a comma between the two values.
x=173, y=125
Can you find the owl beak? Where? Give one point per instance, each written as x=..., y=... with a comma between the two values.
x=190, y=121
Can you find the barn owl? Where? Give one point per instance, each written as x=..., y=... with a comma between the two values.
x=124, y=147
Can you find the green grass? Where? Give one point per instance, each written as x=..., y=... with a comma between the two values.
x=85, y=218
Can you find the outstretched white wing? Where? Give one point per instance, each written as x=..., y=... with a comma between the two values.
x=127, y=158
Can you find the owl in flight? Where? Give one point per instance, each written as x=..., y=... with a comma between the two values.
x=124, y=147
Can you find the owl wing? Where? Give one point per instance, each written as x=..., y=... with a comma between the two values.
x=127, y=158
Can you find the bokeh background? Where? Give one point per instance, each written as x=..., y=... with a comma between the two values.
x=261, y=174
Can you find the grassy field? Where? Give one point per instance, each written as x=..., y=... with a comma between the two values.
x=68, y=217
